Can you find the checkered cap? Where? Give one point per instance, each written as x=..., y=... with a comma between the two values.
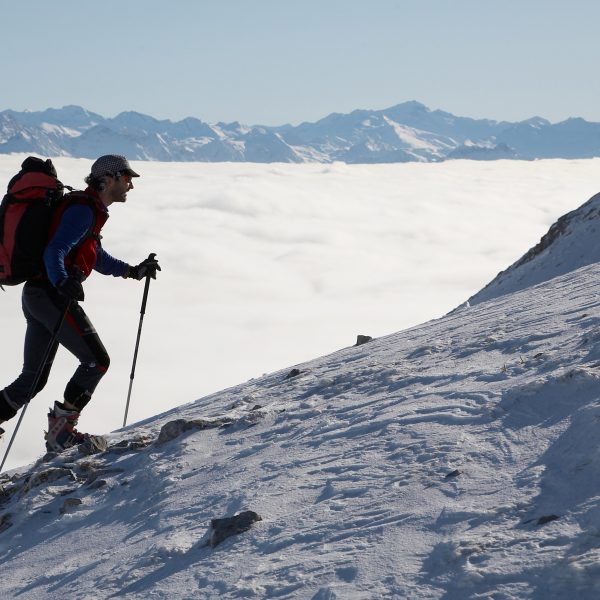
x=112, y=164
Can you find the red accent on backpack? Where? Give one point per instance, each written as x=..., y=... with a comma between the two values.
x=32, y=184
x=25, y=214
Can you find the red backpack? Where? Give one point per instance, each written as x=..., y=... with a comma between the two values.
x=25, y=215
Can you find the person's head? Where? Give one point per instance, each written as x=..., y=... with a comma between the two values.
x=111, y=176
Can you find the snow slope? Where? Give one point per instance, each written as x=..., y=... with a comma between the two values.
x=455, y=459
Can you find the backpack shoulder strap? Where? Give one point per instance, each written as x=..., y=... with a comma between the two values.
x=78, y=197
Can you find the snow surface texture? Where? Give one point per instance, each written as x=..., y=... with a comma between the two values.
x=268, y=266
x=456, y=459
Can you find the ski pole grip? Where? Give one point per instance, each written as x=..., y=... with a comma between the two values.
x=147, y=286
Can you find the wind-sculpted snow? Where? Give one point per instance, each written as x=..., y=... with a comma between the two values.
x=457, y=459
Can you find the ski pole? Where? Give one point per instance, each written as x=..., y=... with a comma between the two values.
x=36, y=379
x=137, y=342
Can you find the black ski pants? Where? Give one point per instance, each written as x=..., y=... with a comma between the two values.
x=43, y=307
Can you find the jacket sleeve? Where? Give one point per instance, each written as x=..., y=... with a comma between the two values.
x=108, y=265
x=74, y=225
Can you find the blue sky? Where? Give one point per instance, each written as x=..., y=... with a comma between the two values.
x=280, y=61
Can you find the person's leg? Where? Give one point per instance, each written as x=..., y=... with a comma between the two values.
x=45, y=307
x=77, y=335
x=81, y=339
x=37, y=340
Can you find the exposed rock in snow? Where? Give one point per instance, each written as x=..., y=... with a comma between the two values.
x=229, y=526
x=70, y=505
x=173, y=429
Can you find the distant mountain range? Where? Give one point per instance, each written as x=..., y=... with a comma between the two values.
x=403, y=133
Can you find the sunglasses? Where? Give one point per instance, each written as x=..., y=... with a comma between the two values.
x=125, y=177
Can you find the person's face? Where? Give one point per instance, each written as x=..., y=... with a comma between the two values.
x=118, y=188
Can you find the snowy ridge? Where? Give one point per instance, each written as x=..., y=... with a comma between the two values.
x=456, y=459
x=570, y=243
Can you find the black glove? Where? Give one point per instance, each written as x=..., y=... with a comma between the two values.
x=71, y=288
x=147, y=268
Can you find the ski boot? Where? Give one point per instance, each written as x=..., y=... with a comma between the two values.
x=62, y=433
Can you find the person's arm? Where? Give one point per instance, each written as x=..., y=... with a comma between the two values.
x=109, y=265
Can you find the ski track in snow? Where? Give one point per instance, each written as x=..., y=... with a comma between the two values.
x=417, y=465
